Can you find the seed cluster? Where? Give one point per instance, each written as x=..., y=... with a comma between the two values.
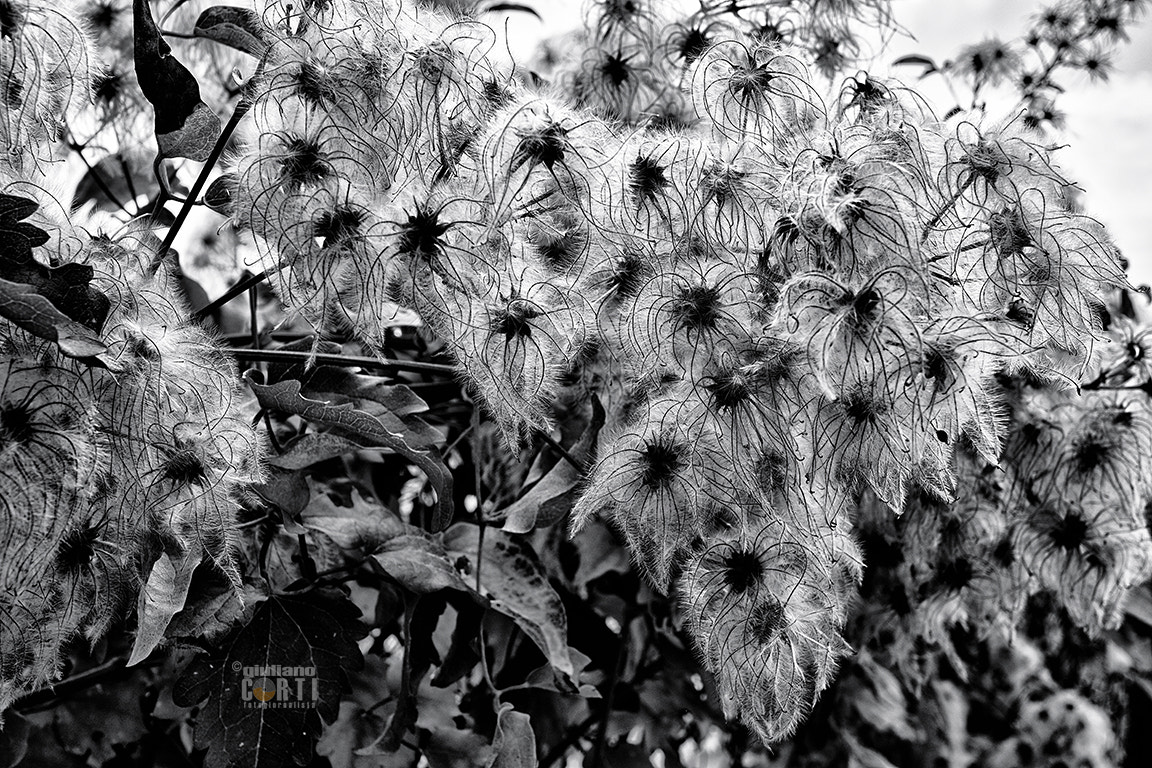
x=781, y=300
x=103, y=468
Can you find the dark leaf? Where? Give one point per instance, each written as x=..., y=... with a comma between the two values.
x=420, y=563
x=213, y=605
x=124, y=177
x=514, y=742
x=420, y=619
x=96, y=722
x=600, y=554
x=295, y=369
x=512, y=576
x=185, y=126
x=463, y=652
x=66, y=286
x=512, y=8
x=157, y=216
x=397, y=398
x=288, y=492
x=551, y=499
x=25, y=307
x=916, y=59
x=238, y=28
x=54, y=303
x=286, y=397
x=218, y=196
x=313, y=630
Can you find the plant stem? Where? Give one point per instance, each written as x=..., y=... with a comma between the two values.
x=244, y=284
x=287, y=355
x=242, y=108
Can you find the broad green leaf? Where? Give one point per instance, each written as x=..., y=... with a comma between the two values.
x=185, y=127
x=312, y=630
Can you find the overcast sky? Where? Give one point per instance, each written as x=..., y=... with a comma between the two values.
x=1109, y=125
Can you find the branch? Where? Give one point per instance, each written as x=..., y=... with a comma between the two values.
x=286, y=355
x=237, y=115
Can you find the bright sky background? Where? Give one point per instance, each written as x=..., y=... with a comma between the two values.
x=1109, y=125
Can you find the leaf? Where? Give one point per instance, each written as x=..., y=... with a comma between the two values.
x=289, y=493
x=463, y=650
x=454, y=748
x=420, y=619
x=66, y=287
x=600, y=554
x=238, y=28
x=20, y=237
x=125, y=176
x=514, y=579
x=213, y=604
x=218, y=196
x=365, y=525
x=285, y=396
x=419, y=563
x=928, y=64
x=395, y=405
x=312, y=630
x=161, y=598
x=185, y=127
x=361, y=719
x=100, y=722
x=514, y=742
x=551, y=499
x=21, y=304
x=397, y=398
x=313, y=448
x=510, y=8
x=54, y=303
